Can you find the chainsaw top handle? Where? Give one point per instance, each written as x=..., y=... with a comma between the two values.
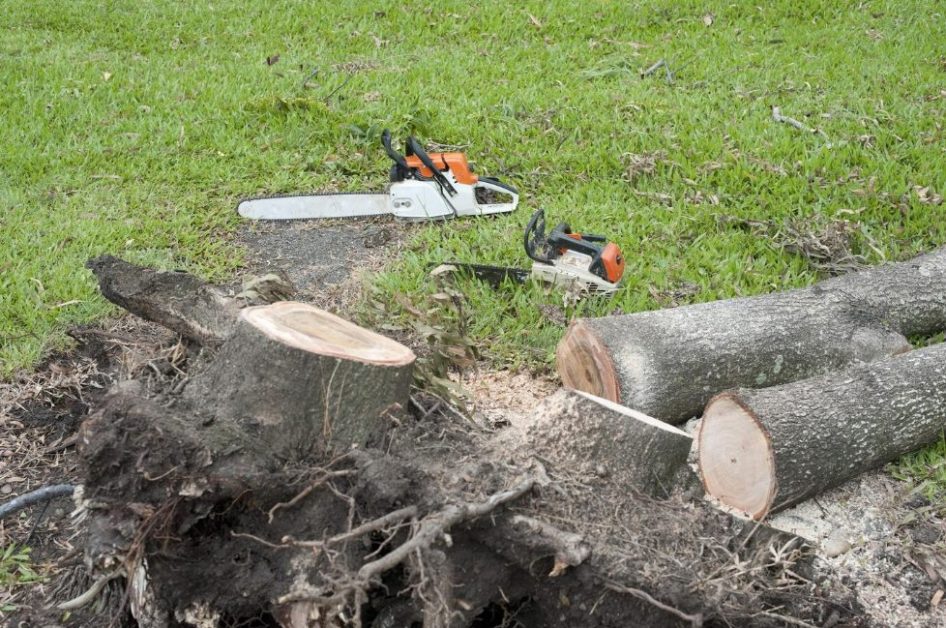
x=400, y=170
x=534, y=238
x=414, y=148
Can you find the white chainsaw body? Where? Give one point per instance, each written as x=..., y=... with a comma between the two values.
x=570, y=271
x=421, y=199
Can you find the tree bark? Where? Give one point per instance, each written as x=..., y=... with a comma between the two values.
x=201, y=312
x=575, y=429
x=763, y=450
x=302, y=380
x=177, y=300
x=668, y=363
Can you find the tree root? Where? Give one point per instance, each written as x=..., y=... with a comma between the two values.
x=92, y=593
x=427, y=532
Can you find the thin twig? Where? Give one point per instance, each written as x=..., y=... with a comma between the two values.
x=787, y=619
x=660, y=63
x=252, y=537
x=778, y=117
x=695, y=619
x=311, y=75
x=337, y=89
x=395, y=516
x=435, y=525
x=326, y=475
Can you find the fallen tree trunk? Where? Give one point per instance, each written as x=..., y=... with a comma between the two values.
x=640, y=452
x=668, y=363
x=763, y=450
x=214, y=521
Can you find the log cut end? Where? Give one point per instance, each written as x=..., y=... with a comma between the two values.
x=310, y=329
x=584, y=363
x=736, y=461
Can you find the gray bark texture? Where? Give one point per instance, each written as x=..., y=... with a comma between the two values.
x=295, y=401
x=201, y=312
x=826, y=429
x=179, y=301
x=577, y=430
x=669, y=363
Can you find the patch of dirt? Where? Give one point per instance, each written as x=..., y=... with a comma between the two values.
x=325, y=259
x=885, y=542
x=39, y=415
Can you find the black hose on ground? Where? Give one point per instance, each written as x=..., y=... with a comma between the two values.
x=35, y=497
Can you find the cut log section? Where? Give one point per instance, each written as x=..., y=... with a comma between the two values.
x=763, y=450
x=669, y=363
x=575, y=429
x=304, y=380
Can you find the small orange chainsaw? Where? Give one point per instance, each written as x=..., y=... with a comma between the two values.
x=580, y=261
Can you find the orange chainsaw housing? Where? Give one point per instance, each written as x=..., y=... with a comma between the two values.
x=613, y=262
x=610, y=259
x=454, y=162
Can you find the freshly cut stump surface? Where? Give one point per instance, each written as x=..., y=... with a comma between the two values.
x=304, y=379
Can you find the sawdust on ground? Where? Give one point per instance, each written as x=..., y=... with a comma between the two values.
x=885, y=541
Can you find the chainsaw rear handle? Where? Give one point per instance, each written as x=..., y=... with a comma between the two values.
x=494, y=184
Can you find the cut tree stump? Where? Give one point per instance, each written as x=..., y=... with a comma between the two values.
x=575, y=429
x=304, y=380
x=763, y=450
x=668, y=363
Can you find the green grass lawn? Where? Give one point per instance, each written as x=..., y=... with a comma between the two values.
x=133, y=128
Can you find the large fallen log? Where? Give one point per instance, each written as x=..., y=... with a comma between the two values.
x=213, y=519
x=763, y=450
x=668, y=363
x=201, y=312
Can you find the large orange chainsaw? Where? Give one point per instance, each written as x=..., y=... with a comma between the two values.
x=423, y=187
